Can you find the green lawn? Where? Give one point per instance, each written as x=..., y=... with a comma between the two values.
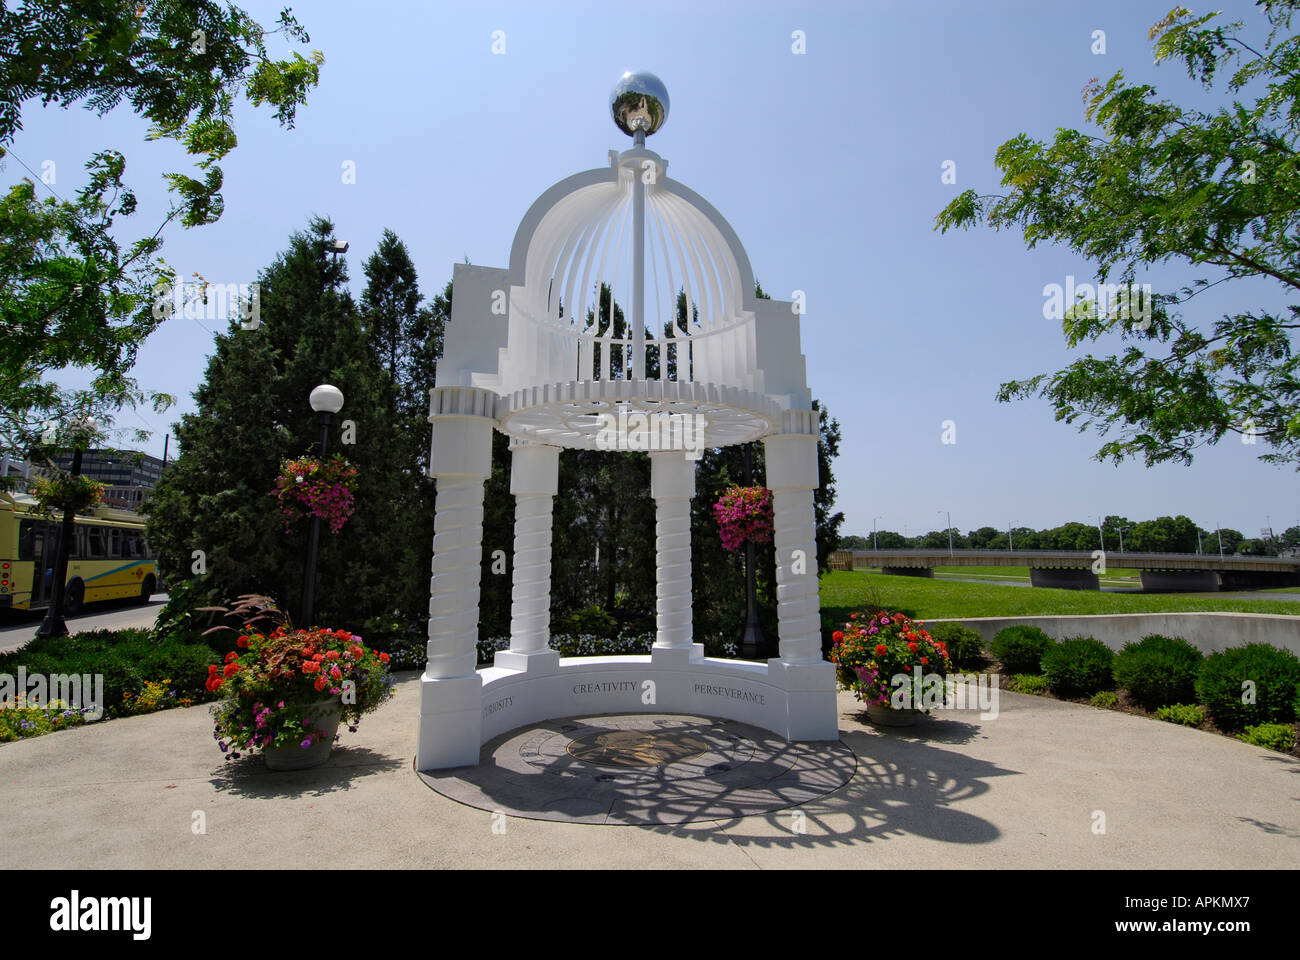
x=843, y=592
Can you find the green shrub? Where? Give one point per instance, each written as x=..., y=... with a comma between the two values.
x=590, y=621
x=1106, y=699
x=721, y=647
x=488, y=647
x=1226, y=676
x=1158, y=670
x=589, y=645
x=132, y=662
x=965, y=646
x=1020, y=648
x=180, y=619
x=1274, y=736
x=1027, y=683
x=1188, y=714
x=1078, y=667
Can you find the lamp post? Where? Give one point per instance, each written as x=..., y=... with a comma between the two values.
x=1219, y=531
x=949, y=515
x=751, y=643
x=1121, y=538
x=874, y=545
x=326, y=400
x=54, y=625
x=1011, y=543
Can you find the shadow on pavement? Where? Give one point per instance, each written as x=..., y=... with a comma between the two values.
x=903, y=786
x=249, y=777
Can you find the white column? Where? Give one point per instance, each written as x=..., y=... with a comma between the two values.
x=791, y=460
x=451, y=690
x=534, y=480
x=454, y=584
x=672, y=484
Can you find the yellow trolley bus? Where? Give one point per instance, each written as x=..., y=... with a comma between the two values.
x=108, y=559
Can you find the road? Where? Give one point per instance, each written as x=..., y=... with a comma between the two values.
x=19, y=627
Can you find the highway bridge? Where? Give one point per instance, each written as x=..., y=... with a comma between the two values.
x=1079, y=569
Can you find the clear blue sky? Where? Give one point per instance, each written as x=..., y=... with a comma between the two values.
x=827, y=164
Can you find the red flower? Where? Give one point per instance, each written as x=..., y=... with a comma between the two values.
x=881, y=649
x=383, y=657
x=242, y=641
x=311, y=666
x=231, y=670
x=231, y=656
x=926, y=661
x=332, y=655
x=837, y=636
x=321, y=683
x=853, y=616
x=912, y=647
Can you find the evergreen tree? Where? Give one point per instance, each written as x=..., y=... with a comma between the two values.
x=253, y=413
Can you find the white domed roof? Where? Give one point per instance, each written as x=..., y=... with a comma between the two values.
x=578, y=238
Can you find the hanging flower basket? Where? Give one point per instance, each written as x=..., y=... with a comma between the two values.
x=54, y=495
x=313, y=487
x=744, y=515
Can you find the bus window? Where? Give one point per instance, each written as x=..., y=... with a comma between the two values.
x=95, y=540
x=26, y=540
x=131, y=544
x=114, y=542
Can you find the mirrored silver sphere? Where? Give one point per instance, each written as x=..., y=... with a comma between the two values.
x=639, y=102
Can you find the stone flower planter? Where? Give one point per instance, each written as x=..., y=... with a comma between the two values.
x=324, y=715
x=889, y=717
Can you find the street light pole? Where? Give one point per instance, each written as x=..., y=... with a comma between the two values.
x=752, y=641
x=54, y=625
x=1121, y=538
x=949, y=515
x=1219, y=531
x=326, y=400
x=874, y=545
x=1011, y=543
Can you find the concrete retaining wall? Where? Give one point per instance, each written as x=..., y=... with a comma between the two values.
x=1209, y=632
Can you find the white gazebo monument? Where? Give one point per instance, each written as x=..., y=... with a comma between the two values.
x=533, y=352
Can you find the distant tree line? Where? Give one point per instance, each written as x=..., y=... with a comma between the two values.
x=1161, y=535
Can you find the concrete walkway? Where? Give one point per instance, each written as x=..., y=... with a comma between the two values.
x=1019, y=790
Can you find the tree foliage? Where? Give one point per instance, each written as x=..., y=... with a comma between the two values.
x=1217, y=190
x=253, y=413
x=71, y=294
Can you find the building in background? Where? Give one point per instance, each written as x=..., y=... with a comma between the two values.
x=127, y=475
